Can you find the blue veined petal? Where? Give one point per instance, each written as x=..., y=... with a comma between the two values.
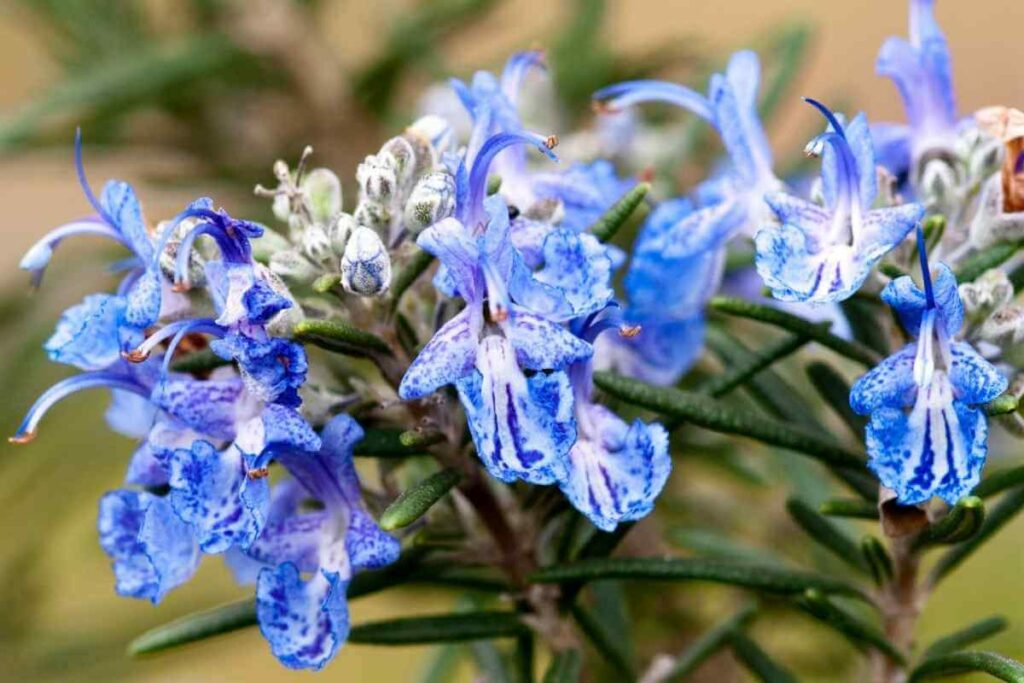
x=975, y=380
x=303, y=545
x=88, y=334
x=522, y=426
x=457, y=251
x=145, y=469
x=795, y=270
x=367, y=546
x=857, y=134
x=329, y=474
x=273, y=369
x=629, y=93
x=209, y=406
x=130, y=415
x=579, y=267
x=938, y=449
x=909, y=301
x=144, y=299
x=297, y=538
x=883, y=229
x=305, y=622
x=239, y=294
x=807, y=216
x=543, y=345
x=122, y=206
x=733, y=97
x=152, y=549
x=663, y=351
x=616, y=470
x=212, y=491
x=585, y=190
x=277, y=429
x=890, y=384
x=449, y=355
x=38, y=256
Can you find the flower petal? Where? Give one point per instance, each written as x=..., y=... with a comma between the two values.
x=790, y=266
x=975, y=380
x=88, y=335
x=122, y=207
x=448, y=356
x=910, y=303
x=890, y=384
x=543, y=345
x=273, y=369
x=578, y=266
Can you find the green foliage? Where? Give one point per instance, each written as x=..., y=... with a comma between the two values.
x=609, y=224
x=340, y=337
x=416, y=500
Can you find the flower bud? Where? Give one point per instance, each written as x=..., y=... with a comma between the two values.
x=365, y=266
x=1005, y=329
x=293, y=266
x=373, y=215
x=323, y=195
x=377, y=178
x=316, y=244
x=985, y=295
x=938, y=182
x=432, y=199
x=403, y=160
x=339, y=231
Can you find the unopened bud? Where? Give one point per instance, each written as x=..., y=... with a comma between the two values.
x=373, y=215
x=987, y=294
x=1005, y=329
x=339, y=231
x=938, y=182
x=377, y=178
x=403, y=159
x=437, y=130
x=365, y=266
x=323, y=195
x=316, y=244
x=293, y=266
x=432, y=199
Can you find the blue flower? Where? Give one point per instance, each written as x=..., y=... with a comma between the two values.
x=616, y=470
x=922, y=71
x=824, y=254
x=927, y=436
x=521, y=423
x=152, y=549
x=306, y=620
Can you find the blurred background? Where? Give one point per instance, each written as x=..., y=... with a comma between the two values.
x=188, y=97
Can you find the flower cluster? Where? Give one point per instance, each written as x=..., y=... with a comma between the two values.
x=245, y=450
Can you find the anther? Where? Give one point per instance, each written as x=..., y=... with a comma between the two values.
x=21, y=438
x=629, y=331
x=551, y=141
x=258, y=473
x=135, y=355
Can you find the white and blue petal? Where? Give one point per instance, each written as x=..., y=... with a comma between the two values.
x=272, y=368
x=579, y=267
x=522, y=426
x=212, y=491
x=120, y=204
x=88, y=335
x=541, y=344
x=882, y=230
x=975, y=380
x=795, y=270
x=305, y=622
x=890, y=384
x=615, y=470
x=152, y=549
x=276, y=429
x=448, y=356
x=910, y=302
x=209, y=407
x=367, y=546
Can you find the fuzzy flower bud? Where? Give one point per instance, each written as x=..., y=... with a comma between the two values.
x=985, y=295
x=316, y=244
x=377, y=178
x=365, y=266
x=322, y=191
x=437, y=131
x=339, y=231
x=432, y=199
x=293, y=266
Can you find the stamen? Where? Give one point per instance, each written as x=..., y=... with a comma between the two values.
x=84, y=182
x=60, y=390
x=300, y=168
x=630, y=331
x=143, y=351
x=622, y=95
x=926, y=275
x=848, y=177
x=258, y=473
x=482, y=163
x=551, y=141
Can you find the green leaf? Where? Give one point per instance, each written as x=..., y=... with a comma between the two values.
x=855, y=629
x=415, y=502
x=748, y=575
x=719, y=417
x=1001, y=405
x=340, y=337
x=993, y=257
x=524, y=656
x=834, y=388
x=607, y=644
x=999, y=481
x=443, y=664
x=962, y=522
x=969, y=635
x=615, y=217
x=999, y=515
x=758, y=662
x=446, y=628
x=600, y=545
x=708, y=543
x=565, y=667
x=200, y=361
x=416, y=265
x=386, y=443
x=849, y=507
x=827, y=534
x=758, y=360
x=877, y=558
x=417, y=439
x=196, y=626
x=710, y=642
x=797, y=325
x=997, y=666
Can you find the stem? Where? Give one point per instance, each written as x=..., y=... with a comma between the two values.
x=902, y=598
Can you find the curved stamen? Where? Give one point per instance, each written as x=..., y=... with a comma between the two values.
x=39, y=254
x=84, y=182
x=60, y=390
x=482, y=163
x=143, y=350
x=517, y=66
x=926, y=274
x=497, y=292
x=622, y=95
x=847, y=176
x=200, y=326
